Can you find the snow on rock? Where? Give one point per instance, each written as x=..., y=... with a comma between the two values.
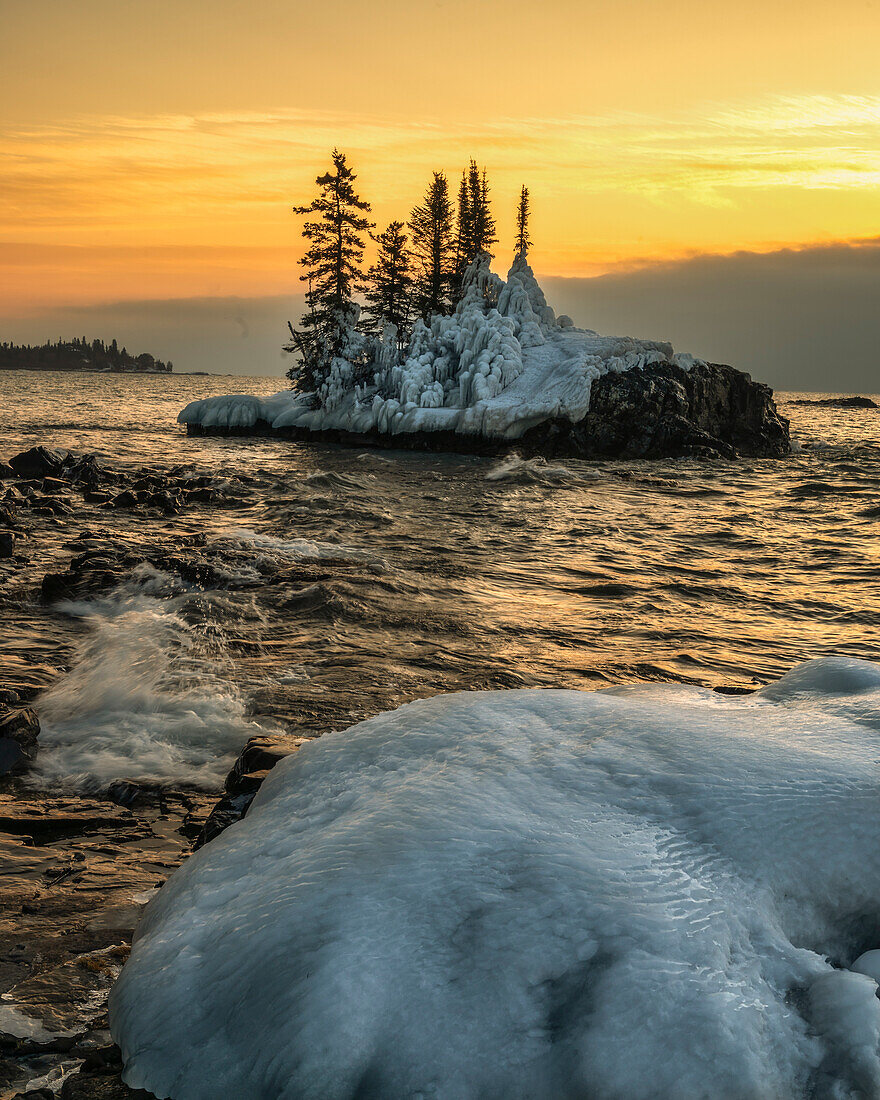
x=499, y=365
x=650, y=891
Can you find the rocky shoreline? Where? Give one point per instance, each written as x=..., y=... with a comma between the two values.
x=659, y=411
x=77, y=869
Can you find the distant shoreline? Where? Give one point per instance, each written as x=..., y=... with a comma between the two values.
x=95, y=370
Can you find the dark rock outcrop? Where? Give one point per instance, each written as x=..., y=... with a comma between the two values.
x=38, y=462
x=660, y=411
x=254, y=763
x=19, y=730
x=663, y=411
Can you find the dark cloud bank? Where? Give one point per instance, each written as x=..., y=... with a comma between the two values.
x=807, y=319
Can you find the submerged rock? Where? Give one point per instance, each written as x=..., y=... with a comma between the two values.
x=839, y=402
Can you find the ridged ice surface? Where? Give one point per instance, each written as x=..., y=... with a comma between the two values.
x=647, y=891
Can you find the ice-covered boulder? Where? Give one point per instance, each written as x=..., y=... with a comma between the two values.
x=650, y=891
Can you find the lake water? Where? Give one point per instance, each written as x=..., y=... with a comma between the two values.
x=353, y=581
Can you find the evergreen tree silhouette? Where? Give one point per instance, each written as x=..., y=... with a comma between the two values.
x=389, y=284
x=523, y=240
x=433, y=248
x=332, y=271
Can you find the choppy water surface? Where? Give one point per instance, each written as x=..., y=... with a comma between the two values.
x=356, y=580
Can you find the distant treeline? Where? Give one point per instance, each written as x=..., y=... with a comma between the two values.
x=78, y=354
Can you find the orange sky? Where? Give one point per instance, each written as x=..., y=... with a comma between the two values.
x=153, y=149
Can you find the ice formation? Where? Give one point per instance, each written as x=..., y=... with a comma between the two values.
x=647, y=891
x=501, y=364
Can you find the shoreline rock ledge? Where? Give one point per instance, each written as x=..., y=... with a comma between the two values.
x=504, y=373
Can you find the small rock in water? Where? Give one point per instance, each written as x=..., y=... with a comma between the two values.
x=38, y=462
x=19, y=730
x=7, y=544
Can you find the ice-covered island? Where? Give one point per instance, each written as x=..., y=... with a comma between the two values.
x=503, y=370
x=449, y=356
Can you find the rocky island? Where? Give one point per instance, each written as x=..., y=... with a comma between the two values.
x=80, y=355
x=445, y=355
x=503, y=372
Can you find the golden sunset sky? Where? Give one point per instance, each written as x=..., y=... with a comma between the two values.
x=153, y=149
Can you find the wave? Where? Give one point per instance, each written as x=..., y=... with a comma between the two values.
x=536, y=471
x=146, y=699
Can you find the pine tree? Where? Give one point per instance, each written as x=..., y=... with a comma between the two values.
x=332, y=272
x=523, y=240
x=389, y=284
x=476, y=225
x=484, y=223
x=463, y=232
x=431, y=226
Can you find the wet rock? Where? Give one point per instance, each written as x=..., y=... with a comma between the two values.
x=51, y=506
x=193, y=570
x=258, y=757
x=50, y=818
x=54, y=485
x=38, y=462
x=230, y=808
x=79, y=581
x=8, y=515
x=7, y=544
x=19, y=730
x=254, y=763
x=85, y=470
x=169, y=504
x=125, y=499
x=96, y=496
x=100, y=1078
x=6, y=471
x=202, y=496
x=664, y=411
x=125, y=792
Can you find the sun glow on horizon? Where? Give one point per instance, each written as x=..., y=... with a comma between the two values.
x=174, y=180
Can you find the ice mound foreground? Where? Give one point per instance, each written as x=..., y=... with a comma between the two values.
x=648, y=891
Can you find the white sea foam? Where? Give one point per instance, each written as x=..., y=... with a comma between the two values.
x=270, y=550
x=644, y=892
x=144, y=698
x=536, y=471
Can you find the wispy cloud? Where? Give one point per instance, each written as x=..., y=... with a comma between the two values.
x=102, y=170
x=608, y=189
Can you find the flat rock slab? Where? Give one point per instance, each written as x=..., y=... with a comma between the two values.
x=75, y=874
